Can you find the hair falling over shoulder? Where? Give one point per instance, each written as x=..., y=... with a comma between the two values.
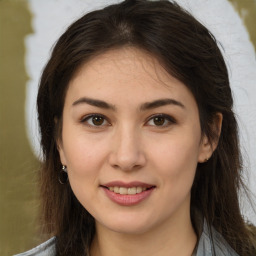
x=189, y=52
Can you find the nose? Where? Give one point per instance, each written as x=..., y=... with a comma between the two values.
x=127, y=152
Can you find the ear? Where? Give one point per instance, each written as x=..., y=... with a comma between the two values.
x=61, y=152
x=208, y=146
x=59, y=143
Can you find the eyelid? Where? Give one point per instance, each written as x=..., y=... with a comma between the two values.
x=85, y=118
x=169, y=118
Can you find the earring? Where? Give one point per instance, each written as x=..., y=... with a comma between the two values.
x=206, y=159
x=63, y=175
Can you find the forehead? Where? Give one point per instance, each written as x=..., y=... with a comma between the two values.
x=127, y=70
x=126, y=60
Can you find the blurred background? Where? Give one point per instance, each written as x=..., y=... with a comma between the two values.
x=22, y=56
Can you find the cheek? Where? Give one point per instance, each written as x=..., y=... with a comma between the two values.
x=82, y=150
x=84, y=165
x=176, y=159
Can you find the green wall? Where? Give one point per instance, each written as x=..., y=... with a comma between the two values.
x=17, y=163
x=247, y=11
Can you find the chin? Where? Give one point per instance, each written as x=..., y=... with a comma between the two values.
x=130, y=229
x=126, y=225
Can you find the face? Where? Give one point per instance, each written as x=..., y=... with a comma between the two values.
x=131, y=141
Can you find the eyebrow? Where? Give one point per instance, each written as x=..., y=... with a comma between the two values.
x=95, y=103
x=160, y=103
x=145, y=106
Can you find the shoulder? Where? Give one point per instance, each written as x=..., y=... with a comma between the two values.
x=45, y=249
x=214, y=242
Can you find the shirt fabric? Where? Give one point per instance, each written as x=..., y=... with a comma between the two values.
x=205, y=247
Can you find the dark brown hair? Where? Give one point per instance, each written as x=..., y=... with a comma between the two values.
x=188, y=51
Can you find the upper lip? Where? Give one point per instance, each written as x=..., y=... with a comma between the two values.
x=127, y=184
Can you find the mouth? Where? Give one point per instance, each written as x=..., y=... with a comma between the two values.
x=128, y=191
x=128, y=194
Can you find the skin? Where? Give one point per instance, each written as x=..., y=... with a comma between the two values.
x=128, y=144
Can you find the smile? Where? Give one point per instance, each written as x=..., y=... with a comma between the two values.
x=127, y=191
x=127, y=194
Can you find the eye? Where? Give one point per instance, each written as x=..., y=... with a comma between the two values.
x=161, y=120
x=95, y=120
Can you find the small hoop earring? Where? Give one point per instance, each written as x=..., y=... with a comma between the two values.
x=63, y=175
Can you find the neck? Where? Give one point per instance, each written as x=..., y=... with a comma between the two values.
x=171, y=238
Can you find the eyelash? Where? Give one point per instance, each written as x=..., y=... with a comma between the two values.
x=169, y=119
x=85, y=120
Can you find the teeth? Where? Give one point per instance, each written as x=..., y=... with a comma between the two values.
x=132, y=191
x=138, y=189
x=127, y=191
x=123, y=191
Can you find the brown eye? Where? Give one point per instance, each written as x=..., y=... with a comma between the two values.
x=159, y=120
x=97, y=120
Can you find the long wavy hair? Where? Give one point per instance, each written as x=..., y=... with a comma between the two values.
x=189, y=52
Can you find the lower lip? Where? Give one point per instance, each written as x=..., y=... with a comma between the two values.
x=128, y=200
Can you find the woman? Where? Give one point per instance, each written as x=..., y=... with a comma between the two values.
x=139, y=138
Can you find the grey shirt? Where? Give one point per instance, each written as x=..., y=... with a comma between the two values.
x=204, y=248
